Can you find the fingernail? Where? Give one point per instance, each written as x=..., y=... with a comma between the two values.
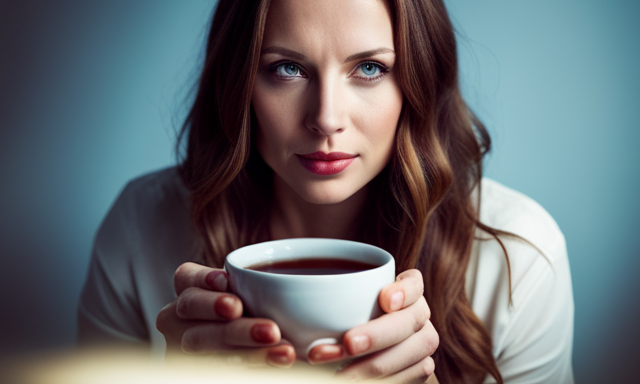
x=263, y=333
x=397, y=300
x=281, y=356
x=217, y=280
x=225, y=306
x=325, y=353
x=360, y=344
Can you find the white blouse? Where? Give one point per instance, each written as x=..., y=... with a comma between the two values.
x=148, y=233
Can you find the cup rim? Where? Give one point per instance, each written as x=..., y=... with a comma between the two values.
x=230, y=263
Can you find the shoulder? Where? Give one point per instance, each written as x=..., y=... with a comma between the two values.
x=146, y=234
x=149, y=219
x=533, y=241
x=155, y=193
x=525, y=300
x=511, y=211
x=535, y=251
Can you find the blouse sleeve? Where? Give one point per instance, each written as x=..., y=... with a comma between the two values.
x=109, y=310
x=536, y=343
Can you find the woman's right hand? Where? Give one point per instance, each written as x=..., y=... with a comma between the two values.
x=205, y=318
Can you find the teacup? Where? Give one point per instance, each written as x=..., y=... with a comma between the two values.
x=310, y=309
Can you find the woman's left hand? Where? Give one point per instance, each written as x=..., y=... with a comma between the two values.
x=398, y=345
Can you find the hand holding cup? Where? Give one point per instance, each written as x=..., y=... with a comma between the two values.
x=398, y=345
x=206, y=318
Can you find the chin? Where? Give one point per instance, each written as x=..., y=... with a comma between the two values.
x=325, y=194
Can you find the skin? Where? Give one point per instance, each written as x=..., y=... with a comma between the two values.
x=311, y=94
x=330, y=105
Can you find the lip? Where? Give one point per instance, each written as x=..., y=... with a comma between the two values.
x=325, y=164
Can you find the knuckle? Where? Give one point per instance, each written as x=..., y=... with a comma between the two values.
x=407, y=274
x=180, y=275
x=427, y=367
x=189, y=343
x=416, y=276
x=181, y=271
x=422, y=302
x=420, y=318
x=377, y=369
x=434, y=340
x=430, y=339
x=163, y=319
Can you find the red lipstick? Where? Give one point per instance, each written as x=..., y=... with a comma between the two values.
x=325, y=164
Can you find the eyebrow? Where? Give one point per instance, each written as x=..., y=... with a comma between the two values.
x=369, y=53
x=284, y=52
x=299, y=56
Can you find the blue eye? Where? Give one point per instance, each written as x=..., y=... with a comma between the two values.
x=287, y=70
x=291, y=69
x=369, y=69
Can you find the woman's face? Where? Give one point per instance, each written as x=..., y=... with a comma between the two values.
x=325, y=97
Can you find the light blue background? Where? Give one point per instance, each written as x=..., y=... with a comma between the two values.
x=91, y=96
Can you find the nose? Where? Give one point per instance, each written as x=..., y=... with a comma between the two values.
x=327, y=110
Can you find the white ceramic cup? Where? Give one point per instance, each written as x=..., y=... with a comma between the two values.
x=310, y=309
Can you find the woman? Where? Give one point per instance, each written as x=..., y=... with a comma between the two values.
x=343, y=120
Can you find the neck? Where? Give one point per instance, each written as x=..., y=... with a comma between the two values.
x=292, y=216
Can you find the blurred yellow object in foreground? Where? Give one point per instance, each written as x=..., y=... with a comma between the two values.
x=130, y=366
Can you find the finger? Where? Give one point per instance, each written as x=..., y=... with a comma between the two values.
x=282, y=356
x=406, y=290
x=172, y=327
x=395, y=359
x=422, y=372
x=327, y=353
x=243, y=332
x=201, y=304
x=387, y=330
x=196, y=275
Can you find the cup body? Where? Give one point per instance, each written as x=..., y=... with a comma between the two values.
x=310, y=309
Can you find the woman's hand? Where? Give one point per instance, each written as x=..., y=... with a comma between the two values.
x=397, y=346
x=205, y=318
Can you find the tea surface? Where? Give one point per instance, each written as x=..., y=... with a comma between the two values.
x=313, y=266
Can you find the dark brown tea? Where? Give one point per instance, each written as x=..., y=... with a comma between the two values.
x=313, y=266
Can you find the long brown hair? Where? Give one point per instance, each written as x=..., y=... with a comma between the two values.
x=425, y=214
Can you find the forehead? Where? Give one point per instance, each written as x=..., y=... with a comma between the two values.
x=339, y=27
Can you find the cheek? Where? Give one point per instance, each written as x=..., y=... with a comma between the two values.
x=275, y=115
x=276, y=104
x=381, y=113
